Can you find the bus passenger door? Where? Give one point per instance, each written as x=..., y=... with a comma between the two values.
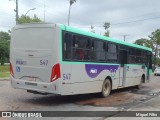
x=149, y=66
x=122, y=73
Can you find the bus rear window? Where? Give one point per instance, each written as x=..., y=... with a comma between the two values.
x=33, y=38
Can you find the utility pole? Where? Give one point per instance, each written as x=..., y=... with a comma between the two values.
x=71, y=2
x=69, y=14
x=92, y=29
x=16, y=12
x=44, y=10
x=124, y=37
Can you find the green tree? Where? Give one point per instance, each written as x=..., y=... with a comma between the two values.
x=106, y=34
x=106, y=26
x=4, y=47
x=140, y=42
x=27, y=19
x=155, y=37
x=4, y=36
x=145, y=42
x=156, y=61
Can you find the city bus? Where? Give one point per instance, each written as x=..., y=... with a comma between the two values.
x=49, y=58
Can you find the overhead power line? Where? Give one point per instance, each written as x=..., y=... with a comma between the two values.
x=114, y=24
x=49, y=10
x=137, y=20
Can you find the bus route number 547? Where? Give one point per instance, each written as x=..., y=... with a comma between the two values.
x=43, y=62
x=67, y=76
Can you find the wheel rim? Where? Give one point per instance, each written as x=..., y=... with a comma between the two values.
x=106, y=88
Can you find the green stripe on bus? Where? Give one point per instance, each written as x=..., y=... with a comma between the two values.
x=150, y=71
x=74, y=62
x=134, y=64
x=71, y=62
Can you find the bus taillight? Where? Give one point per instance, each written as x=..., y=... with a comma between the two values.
x=11, y=70
x=55, y=72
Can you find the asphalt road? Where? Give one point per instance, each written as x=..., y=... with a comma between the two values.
x=119, y=100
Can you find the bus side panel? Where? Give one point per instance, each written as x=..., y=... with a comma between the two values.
x=83, y=83
x=89, y=78
x=134, y=74
x=65, y=82
x=115, y=78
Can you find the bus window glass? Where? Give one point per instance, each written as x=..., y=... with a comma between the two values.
x=67, y=46
x=99, y=50
x=131, y=51
x=138, y=52
x=131, y=59
x=131, y=56
x=89, y=53
x=112, y=52
x=138, y=56
x=123, y=47
x=144, y=55
x=80, y=49
x=77, y=52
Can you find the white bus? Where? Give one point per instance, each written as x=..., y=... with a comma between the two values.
x=58, y=59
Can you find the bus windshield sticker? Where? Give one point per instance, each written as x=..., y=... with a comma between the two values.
x=94, y=70
x=18, y=69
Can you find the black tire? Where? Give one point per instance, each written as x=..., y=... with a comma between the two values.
x=142, y=81
x=106, y=88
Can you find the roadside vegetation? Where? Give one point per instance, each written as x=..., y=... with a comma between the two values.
x=154, y=43
x=4, y=71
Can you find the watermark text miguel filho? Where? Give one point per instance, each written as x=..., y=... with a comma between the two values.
x=149, y=114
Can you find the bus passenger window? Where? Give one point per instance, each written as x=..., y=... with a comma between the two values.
x=112, y=52
x=67, y=46
x=78, y=48
x=99, y=50
x=79, y=54
x=131, y=59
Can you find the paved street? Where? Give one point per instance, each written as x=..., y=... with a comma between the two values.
x=128, y=99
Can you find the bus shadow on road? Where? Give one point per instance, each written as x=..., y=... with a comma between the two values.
x=117, y=97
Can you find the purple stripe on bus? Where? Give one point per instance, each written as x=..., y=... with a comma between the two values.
x=94, y=70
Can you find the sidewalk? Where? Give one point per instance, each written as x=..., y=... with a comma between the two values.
x=152, y=106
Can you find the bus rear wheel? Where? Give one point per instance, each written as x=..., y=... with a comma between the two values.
x=106, y=88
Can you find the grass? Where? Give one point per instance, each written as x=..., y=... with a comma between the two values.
x=4, y=71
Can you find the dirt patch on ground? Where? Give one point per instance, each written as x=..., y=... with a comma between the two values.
x=112, y=100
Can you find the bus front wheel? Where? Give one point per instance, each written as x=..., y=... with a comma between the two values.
x=106, y=88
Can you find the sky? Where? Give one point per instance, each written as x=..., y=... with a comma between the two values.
x=133, y=18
